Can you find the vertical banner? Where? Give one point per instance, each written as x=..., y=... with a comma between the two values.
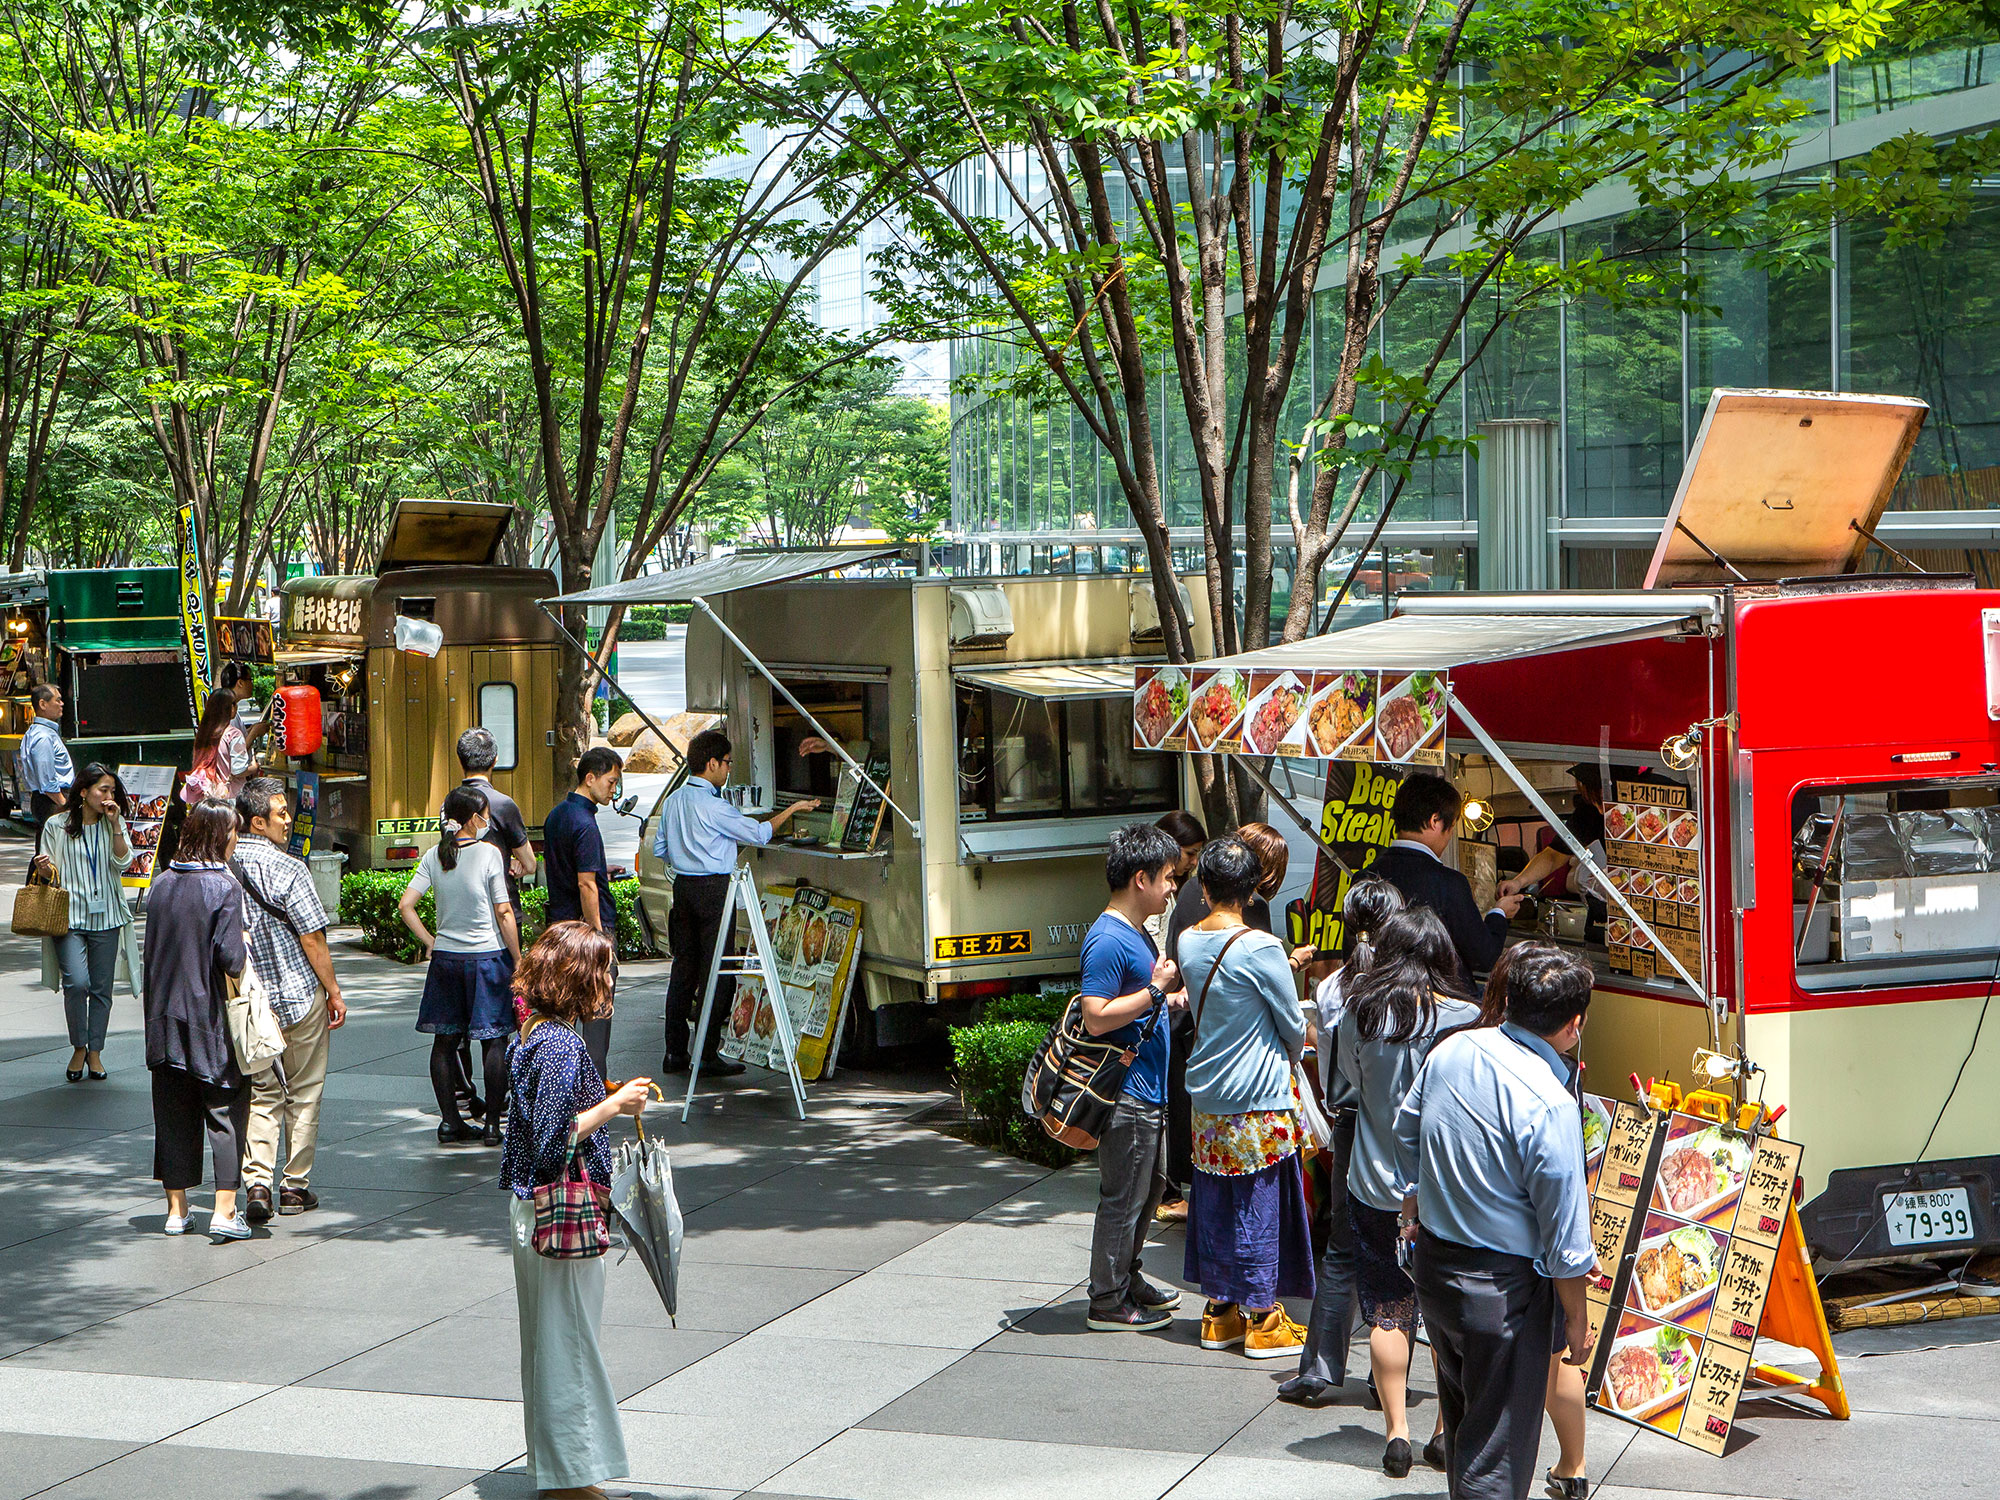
x=305, y=817
x=1355, y=820
x=194, y=610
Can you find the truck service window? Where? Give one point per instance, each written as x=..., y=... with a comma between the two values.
x=1908, y=883
x=1029, y=758
x=856, y=713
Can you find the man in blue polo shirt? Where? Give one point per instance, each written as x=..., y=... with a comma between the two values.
x=579, y=879
x=1126, y=985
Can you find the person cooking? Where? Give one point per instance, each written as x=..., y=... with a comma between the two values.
x=1585, y=823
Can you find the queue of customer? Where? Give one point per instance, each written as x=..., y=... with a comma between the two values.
x=1454, y=1127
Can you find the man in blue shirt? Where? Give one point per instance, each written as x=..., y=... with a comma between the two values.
x=47, y=773
x=578, y=879
x=1493, y=1139
x=1126, y=984
x=699, y=835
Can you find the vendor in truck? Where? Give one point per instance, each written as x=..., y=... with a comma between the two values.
x=1554, y=866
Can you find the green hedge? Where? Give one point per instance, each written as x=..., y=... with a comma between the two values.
x=369, y=898
x=1043, y=1010
x=992, y=1058
x=649, y=622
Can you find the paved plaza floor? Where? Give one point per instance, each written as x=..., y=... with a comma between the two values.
x=870, y=1310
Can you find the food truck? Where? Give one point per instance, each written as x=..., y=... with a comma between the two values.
x=396, y=694
x=1801, y=783
x=110, y=638
x=992, y=715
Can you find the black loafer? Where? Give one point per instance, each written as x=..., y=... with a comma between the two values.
x=675, y=1065
x=1299, y=1391
x=720, y=1067
x=1396, y=1458
x=1434, y=1453
x=450, y=1132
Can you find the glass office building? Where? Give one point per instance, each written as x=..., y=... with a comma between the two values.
x=1624, y=386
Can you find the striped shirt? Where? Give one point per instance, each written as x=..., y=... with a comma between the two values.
x=89, y=871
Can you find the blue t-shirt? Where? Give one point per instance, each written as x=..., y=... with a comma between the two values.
x=1118, y=960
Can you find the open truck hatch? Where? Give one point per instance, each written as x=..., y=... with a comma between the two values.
x=1783, y=484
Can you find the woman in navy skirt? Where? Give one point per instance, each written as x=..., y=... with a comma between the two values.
x=469, y=991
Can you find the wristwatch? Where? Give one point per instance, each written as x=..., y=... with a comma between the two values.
x=1156, y=992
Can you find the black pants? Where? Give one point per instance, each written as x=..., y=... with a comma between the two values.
x=40, y=806
x=1180, y=1111
x=693, y=925
x=1491, y=1321
x=184, y=1110
x=1131, y=1175
x=1330, y=1325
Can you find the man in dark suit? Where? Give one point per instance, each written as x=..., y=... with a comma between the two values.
x=1426, y=812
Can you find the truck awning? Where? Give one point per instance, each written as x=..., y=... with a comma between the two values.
x=1436, y=637
x=723, y=575
x=1058, y=683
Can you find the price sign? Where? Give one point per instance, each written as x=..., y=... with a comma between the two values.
x=1767, y=1191
x=1739, y=1299
x=1711, y=1404
x=1626, y=1153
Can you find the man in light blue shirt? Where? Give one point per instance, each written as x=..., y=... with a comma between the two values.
x=698, y=837
x=47, y=772
x=1493, y=1139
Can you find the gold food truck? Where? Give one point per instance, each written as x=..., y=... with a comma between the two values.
x=992, y=713
x=439, y=639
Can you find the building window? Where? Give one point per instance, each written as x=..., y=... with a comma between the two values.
x=498, y=705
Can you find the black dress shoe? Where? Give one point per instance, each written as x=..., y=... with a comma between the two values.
x=453, y=1131
x=720, y=1067
x=97, y=1076
x=74, y=1075
x=1396, y=1458
x=490, y=1136
x=1301, y=1391
x=672, y=1064
x=258, y=1209
x=1434, y=1453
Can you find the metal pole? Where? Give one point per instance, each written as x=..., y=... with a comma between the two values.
x=591, y=662
x=1250, y=766
x=1561, y=829
x=833, y=744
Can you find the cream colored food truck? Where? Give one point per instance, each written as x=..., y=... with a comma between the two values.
x=995, y=713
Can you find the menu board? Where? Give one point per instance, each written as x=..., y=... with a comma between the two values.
x=865, y=808
x=1652, y=846
x=1696, y=1232
x=1376, y=717
x=816, y=940
x=150, y=789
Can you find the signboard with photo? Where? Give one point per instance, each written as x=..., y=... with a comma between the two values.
x=1696, y=1233
x=1652, y=847
x=1355, y=819
x=1376, y=718
x=244, y=638
x=816, y=940
x=150, y=790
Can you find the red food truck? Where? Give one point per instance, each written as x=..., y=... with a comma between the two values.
x=1800, y=860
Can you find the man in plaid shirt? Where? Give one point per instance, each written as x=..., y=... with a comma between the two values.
x=284, y=927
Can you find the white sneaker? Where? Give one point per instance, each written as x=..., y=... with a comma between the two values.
x=229, y=1229
x=177, y=1224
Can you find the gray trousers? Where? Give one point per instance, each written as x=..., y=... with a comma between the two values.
x=568, y=1407
x=89, y=964
x=1131, y=1176
x=1331, y=1324
x=1491, y=1321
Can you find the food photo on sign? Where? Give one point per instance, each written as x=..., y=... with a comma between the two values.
x=1274, y=723
x=1650, y=1371
x=1342, y=714
x=1677, y=1269
x=1215, y=712
x=1159, y=709
x=1701, y=1170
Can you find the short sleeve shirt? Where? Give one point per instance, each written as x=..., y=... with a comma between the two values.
x=466, y=895
x=506, y=830
x=1118, y=960
x=572, y=846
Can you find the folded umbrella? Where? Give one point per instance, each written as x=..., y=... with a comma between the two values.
x=643, y=1201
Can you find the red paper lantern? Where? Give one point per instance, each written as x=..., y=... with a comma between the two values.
x=302, y=720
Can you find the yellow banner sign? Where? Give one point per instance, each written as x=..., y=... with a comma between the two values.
x=983, y=945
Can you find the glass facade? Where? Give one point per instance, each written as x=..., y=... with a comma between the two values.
x=1627, y=384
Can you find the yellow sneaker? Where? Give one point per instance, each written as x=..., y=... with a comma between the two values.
x=1222, y=1325
x=1272, y=1336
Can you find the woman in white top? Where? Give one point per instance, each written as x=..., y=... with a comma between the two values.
x=469, y=991
x=224, y=755
x=88, y=847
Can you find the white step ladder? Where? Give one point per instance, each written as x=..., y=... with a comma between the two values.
x=760, y=962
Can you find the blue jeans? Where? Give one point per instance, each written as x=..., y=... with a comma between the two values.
x=89, y=963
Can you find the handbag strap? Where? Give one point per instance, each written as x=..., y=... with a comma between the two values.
x=243, y=879
x=1215, y=968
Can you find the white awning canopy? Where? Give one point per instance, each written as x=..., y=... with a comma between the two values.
x=1054, y=684
x=723, y=575
x=1434, y=637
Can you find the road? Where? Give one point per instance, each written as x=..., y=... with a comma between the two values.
x=653, y=673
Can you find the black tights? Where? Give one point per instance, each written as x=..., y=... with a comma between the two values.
x=451, y=1058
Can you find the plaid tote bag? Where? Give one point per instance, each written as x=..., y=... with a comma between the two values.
x=570, y=1213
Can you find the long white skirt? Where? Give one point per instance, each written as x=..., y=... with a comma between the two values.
x=567, y=1404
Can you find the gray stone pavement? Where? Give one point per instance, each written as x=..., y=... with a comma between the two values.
x=871, y=1310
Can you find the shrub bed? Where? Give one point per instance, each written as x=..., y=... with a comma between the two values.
x=991, y=1058
x=368, y=898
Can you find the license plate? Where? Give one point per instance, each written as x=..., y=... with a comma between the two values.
x=1931, y=1218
